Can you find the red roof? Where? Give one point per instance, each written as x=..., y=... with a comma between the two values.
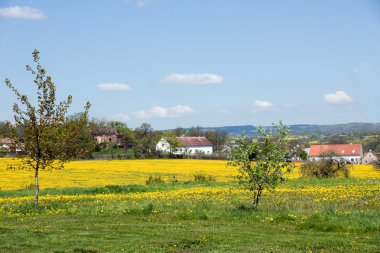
x=338, y=149
x=194, y=141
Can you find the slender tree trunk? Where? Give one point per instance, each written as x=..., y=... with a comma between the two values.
x=256, y=198
x=37, y=185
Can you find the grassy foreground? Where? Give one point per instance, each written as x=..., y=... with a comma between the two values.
x=335, y=215
x=106, y=207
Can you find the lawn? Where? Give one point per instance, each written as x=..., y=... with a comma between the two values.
x=303, y=215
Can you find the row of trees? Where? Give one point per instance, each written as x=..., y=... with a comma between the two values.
x=143, y=139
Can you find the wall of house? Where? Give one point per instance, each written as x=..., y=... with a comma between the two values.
x=369, y=158
x=351, y=159
x=107, y=138
x=192, y=150
x=163, y=146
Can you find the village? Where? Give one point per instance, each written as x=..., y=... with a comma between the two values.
x=201, y=147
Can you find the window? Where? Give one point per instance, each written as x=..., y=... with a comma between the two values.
x=110, y=139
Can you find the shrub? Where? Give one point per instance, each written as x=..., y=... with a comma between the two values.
x=326, y=167
x=376, y=165
x=173, y=179
x=202, y=177
x=154, y=180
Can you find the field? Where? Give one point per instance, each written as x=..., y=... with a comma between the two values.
x=105, y=206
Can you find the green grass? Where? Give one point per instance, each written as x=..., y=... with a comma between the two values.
x=285, y=222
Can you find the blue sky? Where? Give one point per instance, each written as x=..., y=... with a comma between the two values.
x=210, y=63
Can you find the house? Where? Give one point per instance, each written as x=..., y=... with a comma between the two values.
x=7, y=146
x=370, y=157
x=5, y=143
x=189, y=146
x=352, y=153
x=114, y=139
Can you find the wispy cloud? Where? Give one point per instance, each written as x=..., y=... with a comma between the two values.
x=114, y=86
x=22, y=12
x=262, y=105
x=196, y=79
x=162, y=112
x=338, y=98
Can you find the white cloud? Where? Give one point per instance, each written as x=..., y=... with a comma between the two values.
x=162, y=112
x=22, y=12
x=262, y=104
x=338, y=98
x=114, y=86
x=355, y=72
x=199, y=79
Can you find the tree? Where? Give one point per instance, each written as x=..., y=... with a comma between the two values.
x=172, y=139
x=326, y=167
x=42, y=130
x=261, y=162
x=144, y=139
x=217, y=138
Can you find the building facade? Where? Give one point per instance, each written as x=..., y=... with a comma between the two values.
x=370, y=157
x=189, y=146
x=352, y=153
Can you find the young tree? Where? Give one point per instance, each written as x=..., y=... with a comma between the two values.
x=42, y=130
x=261, y=162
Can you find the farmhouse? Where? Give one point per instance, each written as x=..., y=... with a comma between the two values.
x=115, y=139
x=370, y=157
x=352, y=153
x=5, y=143
x=189, y=146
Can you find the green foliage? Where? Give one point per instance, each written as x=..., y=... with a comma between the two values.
x=303, y=155
x=43, y=131
x=326, y=167
x=154, y=180
x=261, y=162
x=171, y=138
x=202, y=177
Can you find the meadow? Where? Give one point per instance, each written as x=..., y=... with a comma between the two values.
x=105, y=206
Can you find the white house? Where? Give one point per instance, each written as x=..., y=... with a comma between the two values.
x=352, y=153
x=189, y=146
x=370, y=157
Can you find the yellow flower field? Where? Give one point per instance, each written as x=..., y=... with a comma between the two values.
x=124, y=172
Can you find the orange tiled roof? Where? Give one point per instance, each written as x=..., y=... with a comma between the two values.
x=338, y=149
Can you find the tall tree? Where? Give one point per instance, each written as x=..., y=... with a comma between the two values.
x=144, y=139
x=43, y=130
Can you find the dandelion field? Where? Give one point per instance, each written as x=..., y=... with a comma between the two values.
x=105, y=206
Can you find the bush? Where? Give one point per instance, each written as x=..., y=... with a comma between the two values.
x=154, y=180
x=326, y=167
x=376, y=165
x=173, y=179
x=202, y=177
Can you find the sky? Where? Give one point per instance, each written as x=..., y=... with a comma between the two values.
x=174, y=63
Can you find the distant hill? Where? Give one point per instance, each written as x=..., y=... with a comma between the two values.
x=306, y=130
